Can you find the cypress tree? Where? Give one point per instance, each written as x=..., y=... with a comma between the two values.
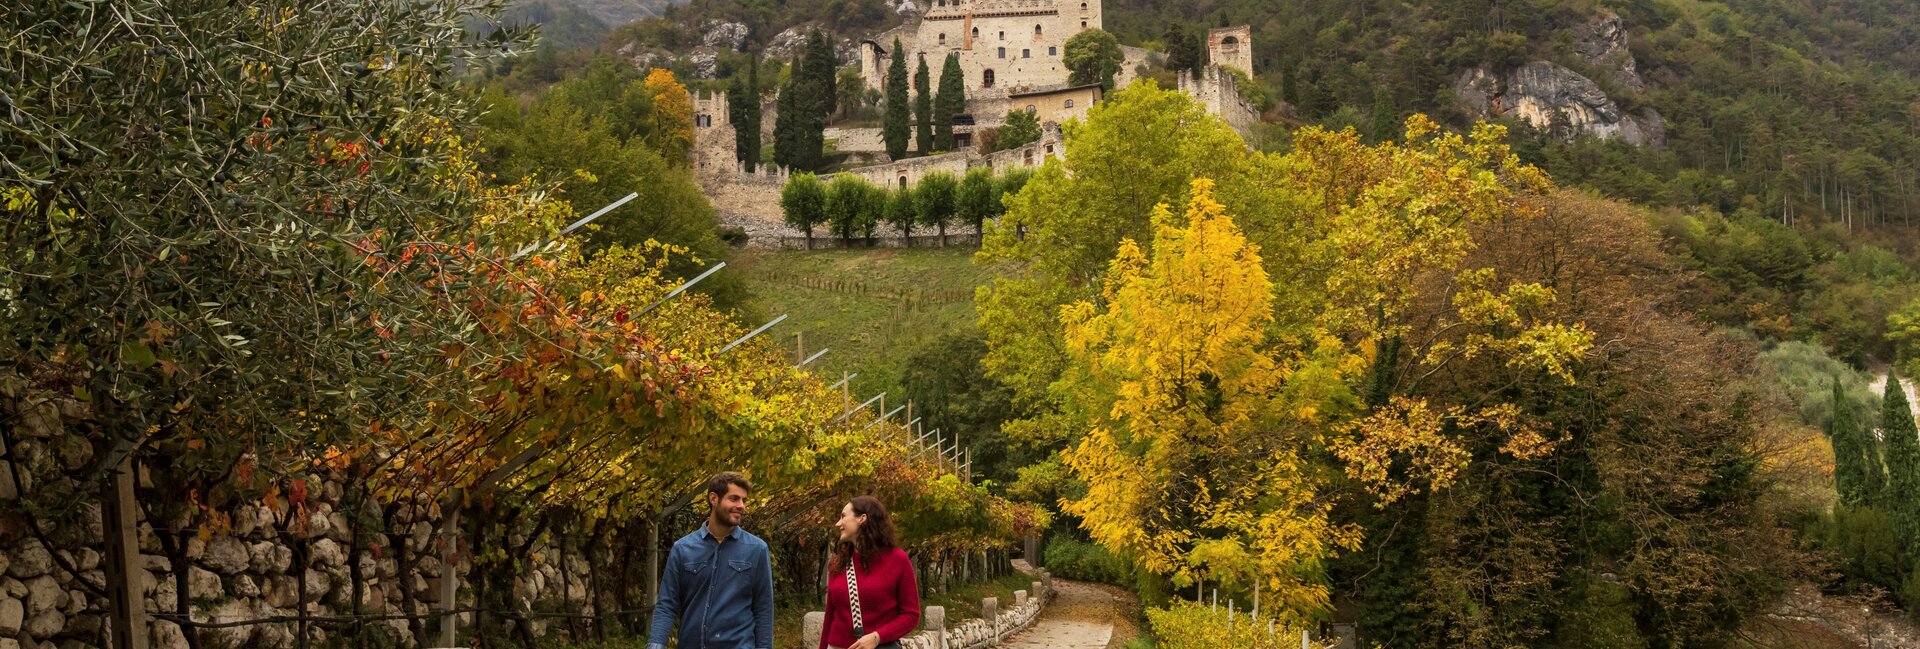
x=786, y=141
x=1903, y=461
x=951, y=101
x=898, y=120
x=743, y=110
x=814, y=95
x=1852, y=457
x=922, y=108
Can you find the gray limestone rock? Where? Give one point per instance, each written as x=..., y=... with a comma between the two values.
x=1556, y=99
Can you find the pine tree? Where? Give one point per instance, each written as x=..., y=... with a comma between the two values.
x=951, y=101
x=1386, y=119
x=922, y=109
x=1903, y=461
x=1852, y=456
x=1183, y=52
x=898, y=120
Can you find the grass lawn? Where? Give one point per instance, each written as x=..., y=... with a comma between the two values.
x=872, y=308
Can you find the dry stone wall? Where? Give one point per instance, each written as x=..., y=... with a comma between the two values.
x=319, y=555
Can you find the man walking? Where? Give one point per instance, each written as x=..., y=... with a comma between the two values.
x=718, y=581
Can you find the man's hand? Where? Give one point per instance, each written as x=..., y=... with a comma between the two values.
x=868, y=641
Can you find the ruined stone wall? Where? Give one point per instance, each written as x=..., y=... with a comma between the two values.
x=1232, y=47
x=1220, y=93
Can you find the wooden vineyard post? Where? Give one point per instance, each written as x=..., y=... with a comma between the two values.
x=125, y=600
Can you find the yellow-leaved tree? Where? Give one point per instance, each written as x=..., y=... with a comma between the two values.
x=672, y=129
x=1195, y=466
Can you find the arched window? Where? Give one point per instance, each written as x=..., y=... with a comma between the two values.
x=976, y=32
x=986, y=78
x=1036, y=30
x=903, y=181
x=1230, y=41
x=1069, y=103
x=1083, y=24
x=1031, y=109
x=1083, y=6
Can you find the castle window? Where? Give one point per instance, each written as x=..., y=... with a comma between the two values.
x=1003, y=52
x=1083, y=6
x=1230, y=41
x=1069, y=103
x=986, y=78
x=1052, y=51
x=976, y=32
x=1083, y=24
x=703, y=121
x=943, y=38
x=1036, y=30
x=903, y=181
x=1031, y=109
x=1026, y=54
x=1003, y=36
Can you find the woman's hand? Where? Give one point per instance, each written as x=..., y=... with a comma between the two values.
x=868, y=641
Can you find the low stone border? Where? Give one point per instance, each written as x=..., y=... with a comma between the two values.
x=994, y=627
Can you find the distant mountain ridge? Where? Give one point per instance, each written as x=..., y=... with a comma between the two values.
x=567, y=24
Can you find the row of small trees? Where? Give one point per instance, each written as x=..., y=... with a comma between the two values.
x=850, y=207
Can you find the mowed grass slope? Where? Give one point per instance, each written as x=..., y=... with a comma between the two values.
x=873, y=309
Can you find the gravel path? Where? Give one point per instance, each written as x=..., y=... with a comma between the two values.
x=1082, y=616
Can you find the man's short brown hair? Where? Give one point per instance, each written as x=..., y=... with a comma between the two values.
x=717, y=485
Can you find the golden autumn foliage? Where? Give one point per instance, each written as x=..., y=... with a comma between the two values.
x=672, y=130
x=1195, y=468
x=1215, y=393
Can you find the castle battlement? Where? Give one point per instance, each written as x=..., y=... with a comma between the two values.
x=991, y=8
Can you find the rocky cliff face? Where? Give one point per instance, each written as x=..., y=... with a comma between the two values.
x=1555, y=99
x=1563, y=102
x=1602, y=42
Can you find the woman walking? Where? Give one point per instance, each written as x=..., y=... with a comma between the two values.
x=873, y=599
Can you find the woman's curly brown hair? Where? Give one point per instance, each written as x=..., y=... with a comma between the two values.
x=874, y=536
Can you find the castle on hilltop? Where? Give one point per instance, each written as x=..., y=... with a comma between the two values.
x=1005, y=46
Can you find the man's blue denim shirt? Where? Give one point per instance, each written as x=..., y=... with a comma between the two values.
x=720, y=592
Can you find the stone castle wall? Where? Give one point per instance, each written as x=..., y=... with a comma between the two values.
x=1220, y=93
x=1004, y=45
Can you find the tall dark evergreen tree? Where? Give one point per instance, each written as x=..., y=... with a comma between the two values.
x=1903, y=461
x=786, y=141
x=899, y=120
x=1385, y=122
x=814, y=96
x=743, y=111
x=1853, y=457
x=922, y=109
x=1184, y=53
x=952, y=100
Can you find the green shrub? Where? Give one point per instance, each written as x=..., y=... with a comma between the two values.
x=1081, y=561
x=1186, y=625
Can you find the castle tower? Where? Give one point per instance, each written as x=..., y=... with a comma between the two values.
x=1231, y=47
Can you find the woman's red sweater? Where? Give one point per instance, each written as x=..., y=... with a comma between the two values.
x=889, y=600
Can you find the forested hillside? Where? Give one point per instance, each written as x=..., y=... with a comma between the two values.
x=1777, y=108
